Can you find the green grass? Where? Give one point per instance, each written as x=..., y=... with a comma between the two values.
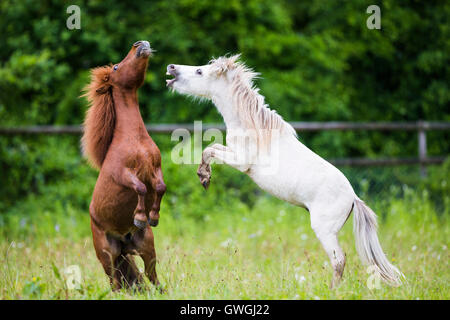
x=267, y=252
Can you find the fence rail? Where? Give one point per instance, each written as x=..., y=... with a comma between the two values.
x=420, y=126
x=299, y=126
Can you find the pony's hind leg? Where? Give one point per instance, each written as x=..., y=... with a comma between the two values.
x=107, y=250
x=126, y=271
x=326, y=223
x=335, y=254
x=143, y=243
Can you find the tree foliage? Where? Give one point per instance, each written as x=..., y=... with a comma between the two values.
x=318, y=60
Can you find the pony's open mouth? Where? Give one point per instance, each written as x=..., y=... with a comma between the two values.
x=169, y=82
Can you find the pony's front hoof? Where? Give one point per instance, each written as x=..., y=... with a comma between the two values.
x=204, y=174
x=153, y=223
x=140, y=224
x=205, y=182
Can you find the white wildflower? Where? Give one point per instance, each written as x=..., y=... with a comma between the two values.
x=300, y=278
x=228, y=242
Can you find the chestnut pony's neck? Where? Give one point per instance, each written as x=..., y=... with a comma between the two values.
x=128, y=116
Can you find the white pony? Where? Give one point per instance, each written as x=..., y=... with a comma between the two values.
x=279, y=163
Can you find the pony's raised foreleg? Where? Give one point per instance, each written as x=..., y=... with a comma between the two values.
x=128, y=179
x=160, y=189
x=204, y=169
x=222, y=153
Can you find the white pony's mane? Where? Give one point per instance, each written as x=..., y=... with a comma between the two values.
x=250, y=107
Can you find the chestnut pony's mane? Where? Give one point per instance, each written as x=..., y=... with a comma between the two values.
x=100, y=118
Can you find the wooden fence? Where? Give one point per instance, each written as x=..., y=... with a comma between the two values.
x=421, y=127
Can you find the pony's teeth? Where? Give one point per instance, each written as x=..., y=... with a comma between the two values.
x=169, y=82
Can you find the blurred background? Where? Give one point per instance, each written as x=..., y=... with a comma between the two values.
x=318, y=62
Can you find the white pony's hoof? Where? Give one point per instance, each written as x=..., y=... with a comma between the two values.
x=205, y=183
x=204, y=174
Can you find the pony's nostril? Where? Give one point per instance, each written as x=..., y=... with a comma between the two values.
x=171, y=66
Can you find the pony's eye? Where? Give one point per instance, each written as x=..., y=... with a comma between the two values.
x=115, y=67
x=199, y=72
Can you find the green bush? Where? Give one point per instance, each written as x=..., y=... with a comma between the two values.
x=318, y=60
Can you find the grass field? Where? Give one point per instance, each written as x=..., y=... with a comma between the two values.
x=267, y=252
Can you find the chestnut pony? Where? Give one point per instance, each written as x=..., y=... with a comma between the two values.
x=130, y=183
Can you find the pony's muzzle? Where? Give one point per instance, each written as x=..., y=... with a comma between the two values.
x=171, y=71
x=143, y=48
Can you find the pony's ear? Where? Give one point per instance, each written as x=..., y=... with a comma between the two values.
x=224, y=64
x=104, y=84
x=100, y=83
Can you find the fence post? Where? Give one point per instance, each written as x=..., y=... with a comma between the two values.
x=422, y=144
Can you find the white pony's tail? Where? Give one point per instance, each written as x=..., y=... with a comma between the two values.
x=368, y=246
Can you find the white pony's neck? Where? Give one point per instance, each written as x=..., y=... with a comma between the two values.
x=243, y=107
x=224, y=104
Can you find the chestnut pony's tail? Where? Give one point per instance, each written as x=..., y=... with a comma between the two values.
x=100, y=118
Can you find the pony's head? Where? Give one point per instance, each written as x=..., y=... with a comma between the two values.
x=127, y=74
x=208, y=80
